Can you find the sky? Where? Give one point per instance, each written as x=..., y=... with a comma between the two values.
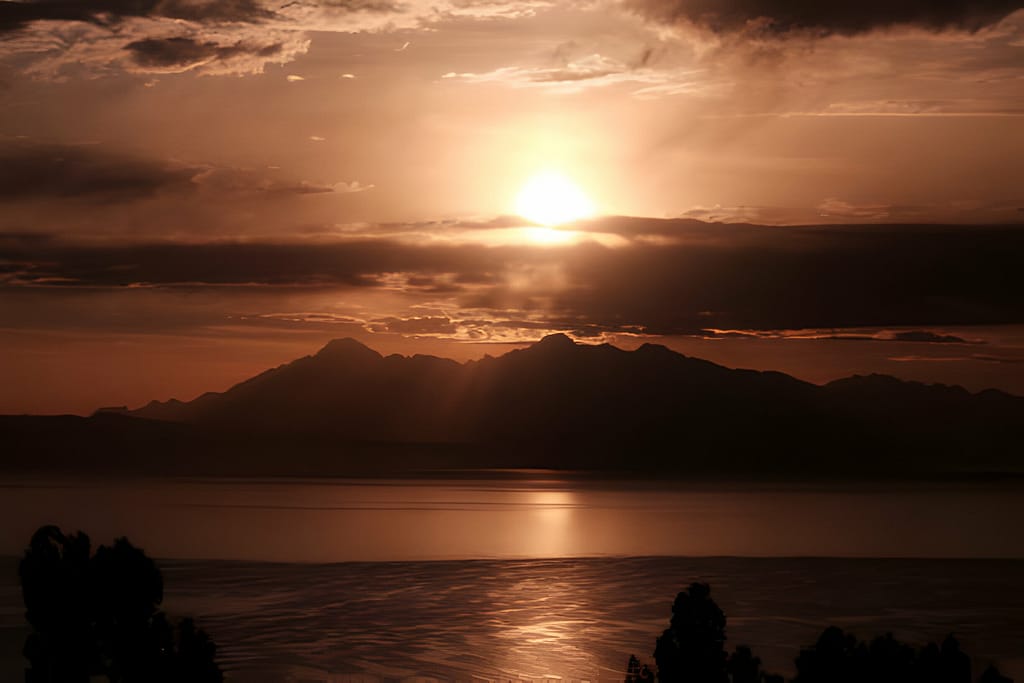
x=193, y=191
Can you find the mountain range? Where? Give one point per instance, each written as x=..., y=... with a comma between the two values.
x=556, y=404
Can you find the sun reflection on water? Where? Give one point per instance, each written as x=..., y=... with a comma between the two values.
x=552, y=518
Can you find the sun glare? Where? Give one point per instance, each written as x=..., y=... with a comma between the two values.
x=551, y=199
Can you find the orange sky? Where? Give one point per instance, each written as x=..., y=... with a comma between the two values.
x=191, y=190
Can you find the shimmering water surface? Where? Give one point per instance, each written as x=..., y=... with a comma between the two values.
x=539, y=577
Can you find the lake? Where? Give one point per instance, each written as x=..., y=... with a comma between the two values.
x=533, y=575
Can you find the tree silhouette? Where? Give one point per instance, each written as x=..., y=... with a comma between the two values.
x=890, y=661
x=99, y=615
x=55, y=584
x=637, y=672
x=743, y=666
x=692, y=649
x=632, y=669
x=992, y=675
x=945, y=664
x=839, y=657
x=834, y=658
x=954, y=664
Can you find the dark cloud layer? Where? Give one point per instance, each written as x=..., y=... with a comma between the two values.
x=745, y=278
x=31, y=170
x=927, y=337
x=68, y=171
x=845, y=17
x=358, y=264
x=914, y=336
x=179, y=52
x=16, y=15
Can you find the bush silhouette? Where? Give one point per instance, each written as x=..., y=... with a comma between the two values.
x=99, y=615
x=638, y=673
x=992, y=675
x=839, y=657
x=692, y=650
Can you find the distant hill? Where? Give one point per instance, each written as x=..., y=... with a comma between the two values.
x=559, y=404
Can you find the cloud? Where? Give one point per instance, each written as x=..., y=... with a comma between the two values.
x=19, y=14
x=213, y=37
x=230, y=181
x=57, y=50
x=588, y=68
x=835, y=210
x=922, y=336
x=843, y=17
x=839, y=208
x=1009, y=360
x=425, y=325
x=32, y=171
x=953, y=107
x=592, y=71
x=982, y=358
x=927, y=337
x=711, y=277
x=358, y=264
x=352, y=187
x=182, y=54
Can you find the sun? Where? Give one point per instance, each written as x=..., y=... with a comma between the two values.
x=550, y=198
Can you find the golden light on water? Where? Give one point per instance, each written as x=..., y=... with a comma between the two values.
x=551, y=520
x=549, y=198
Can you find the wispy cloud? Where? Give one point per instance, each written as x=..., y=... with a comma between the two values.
x=785, y=18
x=32, y=170
x=592, y=71
x=208, y=37
x=351, y=187
x=917, y=336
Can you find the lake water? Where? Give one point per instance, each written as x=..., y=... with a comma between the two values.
x=534, y=576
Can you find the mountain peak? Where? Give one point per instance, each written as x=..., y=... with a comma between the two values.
x=562, y=404
x=347, y=347
x=555, y=341
x=659, y=349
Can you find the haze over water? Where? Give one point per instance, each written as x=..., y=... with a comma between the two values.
x=530, y=515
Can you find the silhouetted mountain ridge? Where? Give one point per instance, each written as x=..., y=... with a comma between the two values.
x=554, y=404
x=598, y=405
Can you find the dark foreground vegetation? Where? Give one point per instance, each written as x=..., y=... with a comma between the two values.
x=96, y=616
x=692, y=650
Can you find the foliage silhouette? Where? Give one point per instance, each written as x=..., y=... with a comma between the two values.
x=743, y=666
x=992, y=675
x=692, y=650
x=839, y=657
x=693, y=647
x=55, y=585
x=637, y=672
x=99, y=615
